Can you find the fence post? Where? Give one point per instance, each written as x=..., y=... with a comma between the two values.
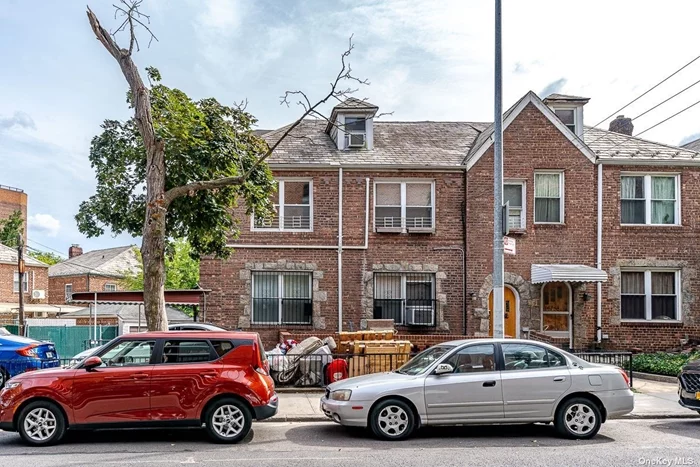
x=631, y=371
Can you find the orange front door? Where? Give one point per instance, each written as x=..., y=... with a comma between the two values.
x=511, y=314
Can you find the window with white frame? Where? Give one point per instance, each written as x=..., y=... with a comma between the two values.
x=25, y=282
x=110, y=287
x=293, y=206
x=400, y=206
x=649, y=295
x=282, y=297
x=567, y=117
x=549, y=197
x=649, y=199
x=407, y=298
x=514, y=195
x=68, y=292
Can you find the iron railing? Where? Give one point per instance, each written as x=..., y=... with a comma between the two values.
x=621, y=359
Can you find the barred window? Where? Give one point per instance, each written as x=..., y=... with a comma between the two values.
x=282, y=297
x=407, y=298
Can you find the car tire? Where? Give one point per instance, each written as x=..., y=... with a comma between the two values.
x=228, y=421
x=578, y=418
x=50, y=418
x=3, y=377
x=392, y=420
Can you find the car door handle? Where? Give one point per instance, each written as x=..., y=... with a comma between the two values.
x=139, y=376
x=209, y=374
x=489, y=384
x=560, y=379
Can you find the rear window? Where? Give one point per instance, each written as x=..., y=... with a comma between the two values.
x=186, y=351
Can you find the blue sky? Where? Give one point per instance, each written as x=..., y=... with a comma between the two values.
x=426, y=60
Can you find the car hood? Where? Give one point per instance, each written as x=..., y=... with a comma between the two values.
x=365, y=381
x=46, y=373
x=692, y=365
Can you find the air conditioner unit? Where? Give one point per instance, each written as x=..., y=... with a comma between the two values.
x=419, y=315
x=38, y=294
x=356, y=140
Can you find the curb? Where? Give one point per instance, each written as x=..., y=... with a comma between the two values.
x=297, y=418
x=299, y=390
x=657, y=378
x=661, y=416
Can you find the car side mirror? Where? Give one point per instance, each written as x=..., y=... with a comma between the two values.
x=444, y=368
x=92, y=362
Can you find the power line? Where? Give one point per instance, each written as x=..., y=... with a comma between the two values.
x=46, y=246
x=669, y=118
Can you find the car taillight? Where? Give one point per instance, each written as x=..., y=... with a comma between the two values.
x=624, y=375
x=262, y=371
x=30, y=351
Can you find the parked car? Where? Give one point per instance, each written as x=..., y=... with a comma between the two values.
x=20, y=354
x=689, y=386
x=153, y=379
x=483, y=381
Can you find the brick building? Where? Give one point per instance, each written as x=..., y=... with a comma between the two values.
x=12, y=200
x=34, y=286
x=392, y=219
x=94, y=271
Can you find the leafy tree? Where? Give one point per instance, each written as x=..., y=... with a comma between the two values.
x=181, y=269
x=11, y=228
x=178, y=167
x=46, y=257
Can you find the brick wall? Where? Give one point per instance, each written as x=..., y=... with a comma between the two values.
x=11, y=201
x=82, y=283
x=38, y=280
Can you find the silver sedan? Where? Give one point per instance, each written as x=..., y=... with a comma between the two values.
x=483, y=381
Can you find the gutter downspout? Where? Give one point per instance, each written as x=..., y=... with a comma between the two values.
x=464, y=253
x=599, y=259
x=340, y=249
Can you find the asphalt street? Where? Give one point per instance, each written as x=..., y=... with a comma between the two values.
x=620, y=442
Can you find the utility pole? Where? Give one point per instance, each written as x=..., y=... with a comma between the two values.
x=498, y=185
x=20, y=273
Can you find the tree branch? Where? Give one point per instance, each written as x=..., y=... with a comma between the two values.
x=191, y=188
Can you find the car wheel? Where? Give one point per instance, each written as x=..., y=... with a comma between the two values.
x=228, y=421
x=578, y=418
x=3, y=377
x=392, y=420
x=41, y=423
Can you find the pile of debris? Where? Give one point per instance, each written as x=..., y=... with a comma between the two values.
x=374, y=351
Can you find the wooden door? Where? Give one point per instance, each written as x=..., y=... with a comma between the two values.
x=511, y=313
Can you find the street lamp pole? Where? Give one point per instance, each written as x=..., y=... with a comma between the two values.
x=498, y=183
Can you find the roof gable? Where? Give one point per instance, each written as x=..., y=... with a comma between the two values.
x=485, y=139
x=111, y=262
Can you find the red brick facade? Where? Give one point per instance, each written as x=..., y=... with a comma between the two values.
x=80, y=283
x=11, y=200
x=531, y=143
x=38, y=279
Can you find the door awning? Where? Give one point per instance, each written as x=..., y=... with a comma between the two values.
x=542, y=273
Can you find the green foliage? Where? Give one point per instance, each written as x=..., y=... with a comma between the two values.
x=11, y=228
x=181, y=269
x=45, y=257
x=203, y=140
x=661, y=363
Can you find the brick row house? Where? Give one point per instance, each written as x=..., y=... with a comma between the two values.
x=394, y=220
x=33, y=287
x=94, y=271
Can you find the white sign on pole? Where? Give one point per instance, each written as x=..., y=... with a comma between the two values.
x=508, y=245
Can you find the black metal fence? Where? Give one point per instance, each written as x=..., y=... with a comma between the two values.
x=621, y=359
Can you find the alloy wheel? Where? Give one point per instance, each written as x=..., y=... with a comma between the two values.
x=580, y=419
x=228, y=421
x=393, y=420
x=40, y=424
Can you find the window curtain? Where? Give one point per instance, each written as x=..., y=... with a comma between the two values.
x=632, y=304
x=265, y=300
x=547, y=197
x=663, y=295
x=633, y=204
x=663, y=204
x=296, y=286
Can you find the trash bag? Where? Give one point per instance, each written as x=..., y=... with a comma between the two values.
x=311, y=367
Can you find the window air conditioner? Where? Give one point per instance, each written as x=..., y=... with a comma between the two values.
x=356, y=140
x=38, y=294
x=419, y=315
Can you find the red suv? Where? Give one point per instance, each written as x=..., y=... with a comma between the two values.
x=218, y=380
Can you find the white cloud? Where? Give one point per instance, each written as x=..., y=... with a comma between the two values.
x=45, y=223
x=20, y=119
x=222, y=15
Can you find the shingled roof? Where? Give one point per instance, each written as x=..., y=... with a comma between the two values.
x=693, y=145
x=111, y=262
x=9, y=256
x=611, y=146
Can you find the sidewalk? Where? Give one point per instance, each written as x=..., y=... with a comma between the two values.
x=651, y=400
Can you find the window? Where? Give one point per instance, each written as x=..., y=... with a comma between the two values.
x=222, y=347
x=110, y=287
x=282, y=298
x=293, y=205
x=514, y=194
x=473, y=359
x=529, y=357
x=355, y=124
x=401, y=206
x=649, y=295
x=649, y=199
x=405, y=298
x=129, y=353
x=424, y=360
x=25, y=282
x=549, y=198
x=555, y=307
x=567, y=117
x=69, y=292
x=192, y=351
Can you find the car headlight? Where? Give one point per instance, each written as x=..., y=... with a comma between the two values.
x=341, y=395
x=12, y=384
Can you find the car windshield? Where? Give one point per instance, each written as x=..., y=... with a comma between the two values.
x=423, y=360
x=5, y=332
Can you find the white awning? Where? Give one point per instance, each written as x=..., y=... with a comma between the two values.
x=566, y=273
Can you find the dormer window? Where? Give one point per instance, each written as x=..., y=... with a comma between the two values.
x=567, y=117
x=569, y=110
x=355, y=132
x=350, y=125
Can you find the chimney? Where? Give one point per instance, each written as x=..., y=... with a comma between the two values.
x=74, y=251
x=622, y=124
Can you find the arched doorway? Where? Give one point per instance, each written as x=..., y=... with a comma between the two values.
x=511, y=312
x=556, y=308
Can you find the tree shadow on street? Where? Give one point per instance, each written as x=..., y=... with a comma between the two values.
x=690, y=428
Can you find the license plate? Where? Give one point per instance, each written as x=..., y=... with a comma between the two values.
x=697, y=395
x=50, y=355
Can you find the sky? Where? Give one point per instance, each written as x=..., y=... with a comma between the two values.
x=425, y=60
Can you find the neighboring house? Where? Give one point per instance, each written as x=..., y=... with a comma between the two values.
x=34, y=287
x=692, y=145
x=381, y=212
x=94, y=271
x=12, y=200
x=124, y=316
